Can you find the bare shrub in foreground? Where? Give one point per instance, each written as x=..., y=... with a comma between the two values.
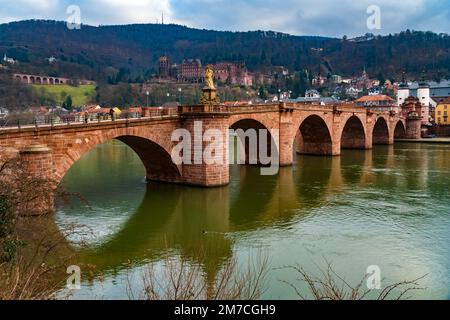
x=182, y=279
x=330, y=286
x=38, y=269
x=32, y=253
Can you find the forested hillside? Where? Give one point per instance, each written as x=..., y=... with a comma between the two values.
x=129, y=53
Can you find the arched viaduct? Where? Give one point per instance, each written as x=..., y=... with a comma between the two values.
x=49, y=151
x=44, y=80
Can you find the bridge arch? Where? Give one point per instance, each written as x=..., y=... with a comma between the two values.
x=380, y=132
x=400, y=130
x=353, y=134
x=155, y=156
x=314, y=137
x=248, y=123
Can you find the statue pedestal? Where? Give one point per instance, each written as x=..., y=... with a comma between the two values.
x=209, y=95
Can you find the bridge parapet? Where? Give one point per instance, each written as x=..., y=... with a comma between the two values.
x=227, y=109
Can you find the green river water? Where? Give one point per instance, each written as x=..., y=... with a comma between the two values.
x=388, y=207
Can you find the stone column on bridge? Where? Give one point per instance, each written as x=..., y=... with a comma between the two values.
x=37, y=164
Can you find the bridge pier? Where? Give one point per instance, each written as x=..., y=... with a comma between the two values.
x=413, y=127
x=285, y=145
x=204, y=172
x=37, y=165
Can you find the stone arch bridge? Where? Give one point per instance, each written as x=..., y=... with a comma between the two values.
x=50, y=151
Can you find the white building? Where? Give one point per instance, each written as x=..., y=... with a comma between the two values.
x=8, y=60
x=51, y=60
x=312, y=94
x=353, y=92
x=374, y=91
x=3, y=113
x=422, y=92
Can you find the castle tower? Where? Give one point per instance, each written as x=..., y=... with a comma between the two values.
x=403, y=91
x=164, y=67
x=423, y=93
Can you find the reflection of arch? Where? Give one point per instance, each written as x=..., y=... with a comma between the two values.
x=32, y=80
x=312, y=180
x=314, y=137
x=352, y=165
x=400, y=131
x=156, y=159
x=254, y=195
x=247, y=125
x=380, y=132
x=154, y=213
x=163, y=212
x=353, y=135
x=18, y=78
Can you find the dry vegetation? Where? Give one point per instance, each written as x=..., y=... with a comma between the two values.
x=331, y=286
x=32, y=252
x=182, y=279
x=34, y=255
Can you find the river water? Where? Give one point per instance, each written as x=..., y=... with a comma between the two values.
x=388, y=207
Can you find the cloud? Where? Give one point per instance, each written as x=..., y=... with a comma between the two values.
x=125, y=12
x=314, y=17
x=301, y=17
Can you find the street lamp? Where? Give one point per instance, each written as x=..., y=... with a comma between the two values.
x=148, y=94
x=180, y=95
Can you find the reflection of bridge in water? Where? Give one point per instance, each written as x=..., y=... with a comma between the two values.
x=190, y=221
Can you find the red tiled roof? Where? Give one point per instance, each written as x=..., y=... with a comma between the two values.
x=375, y=98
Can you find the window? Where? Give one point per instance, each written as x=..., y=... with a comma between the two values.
x=439, y=113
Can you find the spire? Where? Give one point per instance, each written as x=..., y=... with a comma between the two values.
x=404, y=83
x=162, y=17
x=423, y=83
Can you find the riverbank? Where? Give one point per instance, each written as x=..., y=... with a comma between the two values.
x=432, y=140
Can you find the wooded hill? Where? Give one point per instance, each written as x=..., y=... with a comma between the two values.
x=130, y=52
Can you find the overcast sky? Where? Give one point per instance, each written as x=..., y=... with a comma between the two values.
x=300, y=17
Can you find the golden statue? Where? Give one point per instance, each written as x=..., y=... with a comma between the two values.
x=209, y=77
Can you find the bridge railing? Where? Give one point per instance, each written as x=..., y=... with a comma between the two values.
x=31, y=120
x=223, y=108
